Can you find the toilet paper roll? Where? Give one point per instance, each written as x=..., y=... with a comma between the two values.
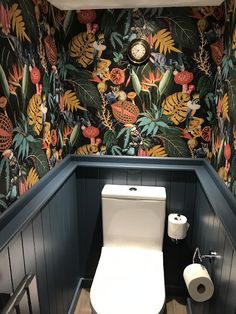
x=177, y=226
x=198, y=282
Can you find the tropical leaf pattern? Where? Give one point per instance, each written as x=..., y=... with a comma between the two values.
x=81, y=48
x=164, y=41
x=157, y=151
x=18, y=23
x=32, y=178
x=175, y=107
x=225, y=107
x=71, y=101
x=34, y=112
x=67, y=86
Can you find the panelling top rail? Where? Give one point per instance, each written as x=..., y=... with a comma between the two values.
x=20, y=213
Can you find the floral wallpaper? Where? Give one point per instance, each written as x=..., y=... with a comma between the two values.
x=67, y=86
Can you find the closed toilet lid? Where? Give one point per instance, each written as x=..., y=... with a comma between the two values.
x=128, y=281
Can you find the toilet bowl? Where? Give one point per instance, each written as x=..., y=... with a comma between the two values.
x=129, y=278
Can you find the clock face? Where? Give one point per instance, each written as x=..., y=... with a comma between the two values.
x=138, y=51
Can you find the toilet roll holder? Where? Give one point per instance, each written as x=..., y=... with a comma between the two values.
x=197, y=254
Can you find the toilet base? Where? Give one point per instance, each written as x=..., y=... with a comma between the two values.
x=128, y=281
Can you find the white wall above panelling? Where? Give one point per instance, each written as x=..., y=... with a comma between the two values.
x=111, y=4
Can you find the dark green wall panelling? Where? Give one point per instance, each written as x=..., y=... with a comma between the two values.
x=209, y=234
x=61, y=240
x=65, y=74
x=48, y=247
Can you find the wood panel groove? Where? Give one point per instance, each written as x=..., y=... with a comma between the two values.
x=210, y=234
x=40, y=264
x=10, y=269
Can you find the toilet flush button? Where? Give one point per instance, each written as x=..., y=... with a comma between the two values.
x=133, y=189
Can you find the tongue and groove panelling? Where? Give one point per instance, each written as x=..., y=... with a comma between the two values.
x=47, y=246
x=62, y=242
x=209, y=234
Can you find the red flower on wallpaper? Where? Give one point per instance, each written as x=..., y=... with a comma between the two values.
x=117, y=76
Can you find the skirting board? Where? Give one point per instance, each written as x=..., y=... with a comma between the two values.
x=83, y=283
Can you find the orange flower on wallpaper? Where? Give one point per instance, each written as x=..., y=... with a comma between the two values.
x=117, y=76
x=15, y=76
x=67, y=132
x=150, y=81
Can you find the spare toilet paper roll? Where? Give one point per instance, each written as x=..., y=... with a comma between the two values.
x=198, y=282
x=177, y=226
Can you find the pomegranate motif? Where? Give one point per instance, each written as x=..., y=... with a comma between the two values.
x=125, y=112
x=6, y=130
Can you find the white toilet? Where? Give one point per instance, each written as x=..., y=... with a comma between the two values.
x=130, y=277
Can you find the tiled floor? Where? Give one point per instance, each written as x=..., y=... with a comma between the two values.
x=173, y=305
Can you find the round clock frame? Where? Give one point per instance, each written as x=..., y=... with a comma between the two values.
x=138, y=51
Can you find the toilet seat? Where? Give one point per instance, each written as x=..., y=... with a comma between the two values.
x=117, y=287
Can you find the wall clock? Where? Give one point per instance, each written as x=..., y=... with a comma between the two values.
x=138, y=51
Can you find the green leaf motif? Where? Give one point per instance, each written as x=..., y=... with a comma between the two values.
x=4, y=83
x=68, y=21
x=31, y=139
x=184, y=32
x=205, y=85
x=232, y=99
x=116, y=150
x=122, y=131
x=40, y=159
x=116, y=38
x=74, y=135
x=175, y=146
x=127, y=138
x=25, y=83
x=88, y=94
x=107, y=23
x=128, y=22
x=151, y=127
x=109, y=139
x=145, y=128
x=143, y=121
x=135, y=82
x=162, y=124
